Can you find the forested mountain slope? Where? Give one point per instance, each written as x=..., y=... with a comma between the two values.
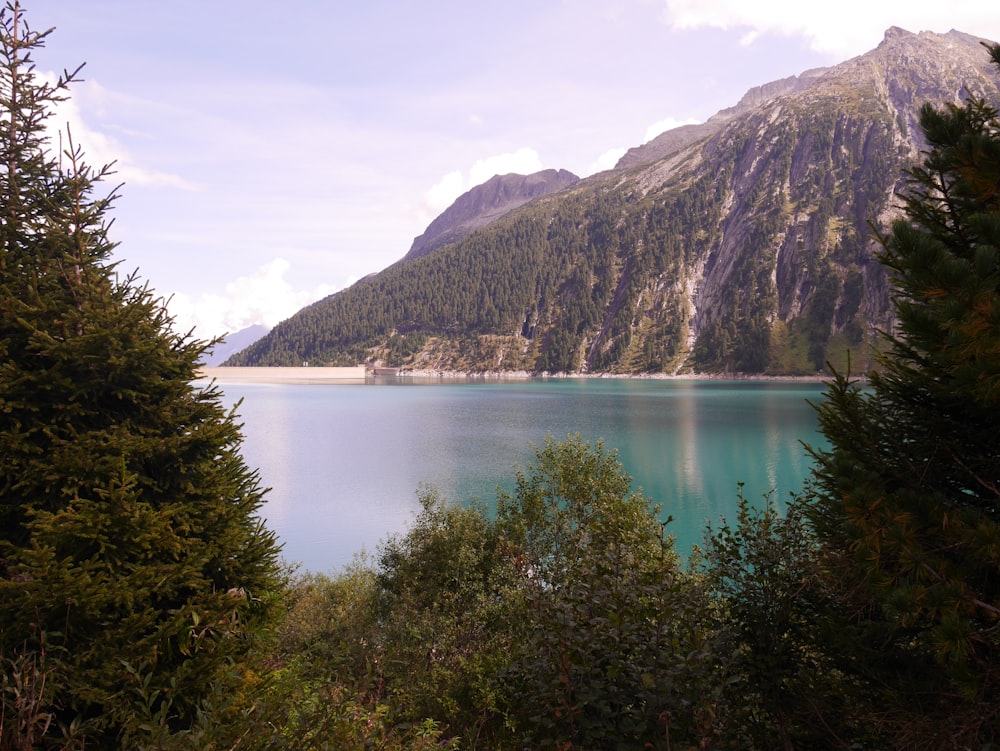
x=486, y=203
x=745, y=248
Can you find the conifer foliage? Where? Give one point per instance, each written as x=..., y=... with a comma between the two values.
x=134, y=568
x=910, y=490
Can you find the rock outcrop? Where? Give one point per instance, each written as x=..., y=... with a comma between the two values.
x=486, y=203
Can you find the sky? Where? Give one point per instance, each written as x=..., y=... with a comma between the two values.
x=272, y=154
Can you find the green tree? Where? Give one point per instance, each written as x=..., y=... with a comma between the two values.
x=576, y=493
x=617, y=650
x=907, y=499
x=448, y=607
x=779, y=688
x=134, y=569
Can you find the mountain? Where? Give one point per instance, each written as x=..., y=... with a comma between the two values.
x=677, y=138
x=234, y=343
x=743, y=245
x=486, y=203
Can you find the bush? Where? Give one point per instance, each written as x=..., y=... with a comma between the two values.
x=617, y=650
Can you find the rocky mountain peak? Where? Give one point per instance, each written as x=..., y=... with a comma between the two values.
x=894, y=32
x=740, y=245
x=676, y=139
x=485, y=203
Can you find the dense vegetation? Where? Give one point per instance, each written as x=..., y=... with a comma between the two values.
x=138, y=592
x=748, y=252
x=596, y=278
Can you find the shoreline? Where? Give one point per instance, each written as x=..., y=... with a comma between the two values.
x=359, y=375
x=523, y=375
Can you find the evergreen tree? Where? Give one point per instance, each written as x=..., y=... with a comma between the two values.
x=908, y=497
x=134, y=569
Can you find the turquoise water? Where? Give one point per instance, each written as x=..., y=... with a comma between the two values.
x=345, y=462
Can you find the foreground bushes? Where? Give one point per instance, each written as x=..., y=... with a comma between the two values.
x=567, y=620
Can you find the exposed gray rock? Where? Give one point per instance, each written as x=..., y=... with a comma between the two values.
x=744, y=244
x=678, y=138
x=486, y=203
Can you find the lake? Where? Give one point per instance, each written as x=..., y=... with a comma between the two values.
x=345, y=461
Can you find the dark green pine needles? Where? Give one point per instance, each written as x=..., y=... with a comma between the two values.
x=134, y=569
x=908, y=496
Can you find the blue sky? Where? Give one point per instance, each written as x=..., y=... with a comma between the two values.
x=275, y=153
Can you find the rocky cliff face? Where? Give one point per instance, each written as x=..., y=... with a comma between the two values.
x=811, y=172
x=741, y=245
x=673, y=140
x=486, y=203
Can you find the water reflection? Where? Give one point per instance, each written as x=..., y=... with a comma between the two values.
x=345, y=461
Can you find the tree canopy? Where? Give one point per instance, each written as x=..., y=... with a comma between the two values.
x=134, y=567
x=907, y=499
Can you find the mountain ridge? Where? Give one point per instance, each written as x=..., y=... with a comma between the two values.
x=674, y=139
x=743, y=248
x=485, y=203
x=233, y=342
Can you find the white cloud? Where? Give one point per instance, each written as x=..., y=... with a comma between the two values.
x=265, y=297
x=522, y=162
x=662, y=126
x=607, y=160
x=66, y=124
x=442, y=195
x=846, y=28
